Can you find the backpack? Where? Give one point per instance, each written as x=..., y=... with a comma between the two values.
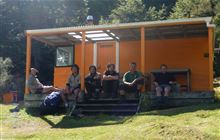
x=50, y=104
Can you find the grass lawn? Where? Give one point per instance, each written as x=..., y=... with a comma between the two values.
x=195, y=122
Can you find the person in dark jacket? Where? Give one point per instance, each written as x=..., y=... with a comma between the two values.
x=163, y=82
x=93, y=83
x=110, y=81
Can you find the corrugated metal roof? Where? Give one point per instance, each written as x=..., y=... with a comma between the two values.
x=171, y=22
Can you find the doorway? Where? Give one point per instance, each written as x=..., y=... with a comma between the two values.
x=106, y=54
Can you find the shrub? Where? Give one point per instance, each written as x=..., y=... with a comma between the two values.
x=5, y=76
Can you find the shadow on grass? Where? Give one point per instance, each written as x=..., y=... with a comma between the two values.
x=182, y=110
x=88, y=121
x=76, y=122
x=33, y=112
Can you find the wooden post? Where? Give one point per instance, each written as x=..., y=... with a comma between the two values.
x=211, y=59
x=117, y=55
x=82, y=69
x=28, y=61
x=143, y=52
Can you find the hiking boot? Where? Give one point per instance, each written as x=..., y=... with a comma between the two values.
x=114, y=95
x=96, y=94
x=66, y=105
x=137, y=94
x=16, y=109
x=159, y=102
x=165, y=101
x=122, y=99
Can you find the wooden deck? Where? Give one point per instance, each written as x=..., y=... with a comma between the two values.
x=148, y=101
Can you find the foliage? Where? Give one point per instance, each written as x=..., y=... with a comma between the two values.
x=101, y=9
x=136, y=10
x=201, y=8
x=191, y=8
x=20, y=15
x=217, y=23
x=5, y=77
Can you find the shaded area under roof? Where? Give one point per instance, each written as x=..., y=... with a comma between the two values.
x=154, y=30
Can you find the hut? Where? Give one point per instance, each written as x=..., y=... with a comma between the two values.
x=185, y=45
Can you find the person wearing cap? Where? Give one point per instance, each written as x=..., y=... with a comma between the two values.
x=89, y=20
x=35, y=86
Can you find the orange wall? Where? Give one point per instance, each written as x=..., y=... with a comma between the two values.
x=176, y=53
x=129, y=52
x=61, y=75
x=88, y=56
x=181, y=53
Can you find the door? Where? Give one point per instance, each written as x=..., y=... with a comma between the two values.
x=106, y=54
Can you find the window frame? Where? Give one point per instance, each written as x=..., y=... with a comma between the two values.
x=73, y=55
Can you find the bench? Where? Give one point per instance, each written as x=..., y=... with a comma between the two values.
x=185, y=72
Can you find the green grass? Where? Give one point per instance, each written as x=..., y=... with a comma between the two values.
x=195, y=122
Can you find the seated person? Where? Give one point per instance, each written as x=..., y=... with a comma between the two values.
x=163, y=82
x=36, y=86
x=74, y=81
x=51, y=103
x=110, y=81
x=133, y=81
x=92, y=83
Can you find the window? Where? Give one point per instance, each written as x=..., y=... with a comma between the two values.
x=64, y=56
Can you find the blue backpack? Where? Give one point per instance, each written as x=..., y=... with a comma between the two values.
x=53, y=99
x=50, y=104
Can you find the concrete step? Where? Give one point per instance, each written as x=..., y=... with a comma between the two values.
x=110, y=112
x=112, y=105
x=108, y=106
x=111, y=100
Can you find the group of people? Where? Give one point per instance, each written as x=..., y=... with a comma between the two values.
x=97, y=84
x=132, y=82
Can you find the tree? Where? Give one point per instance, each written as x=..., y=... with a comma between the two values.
x=101, y=9
x=20, y=15
x=135, y=11
x=201, y=8
x=5, y=76
x=192, y=8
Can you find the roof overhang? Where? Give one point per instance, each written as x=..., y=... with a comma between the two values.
x=175, y=28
